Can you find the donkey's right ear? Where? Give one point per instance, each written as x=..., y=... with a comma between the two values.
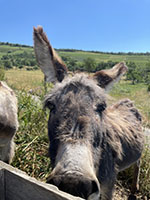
x=106, y=78
x=50, y=63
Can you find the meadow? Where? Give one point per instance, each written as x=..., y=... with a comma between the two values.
x=104, y=57
x=32, y=139
x=79, y=55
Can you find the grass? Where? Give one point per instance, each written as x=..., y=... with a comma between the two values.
x=104, y=57
x=138, y=94
x=23, y=79
x=139, y=59
x=32, y=140
x=10, y=50
x=145, y=173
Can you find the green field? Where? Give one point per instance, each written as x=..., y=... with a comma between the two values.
x=139, y=59
x=31, y=138
x=99, y=57
x=10, y=50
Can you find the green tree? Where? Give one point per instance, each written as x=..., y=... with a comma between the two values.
x=133, y=73
x=146, y=74
x=7, y=64
x=89, y=64
x=2, y=73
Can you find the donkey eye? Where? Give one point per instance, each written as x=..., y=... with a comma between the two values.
x=101, y=107
x=52, y=107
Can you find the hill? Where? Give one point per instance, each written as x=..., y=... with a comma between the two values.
x=22, y=55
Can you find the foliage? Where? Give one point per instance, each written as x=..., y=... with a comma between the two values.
x=145, y=173
x=70, y=62
x=21, y=56
x=146, y=73
x=133, y=73
x=31, y=138
x=2, y=74
x=89, y=64
x=148, y=88
x=105, y=65
x=138, y=74
x=19, y=60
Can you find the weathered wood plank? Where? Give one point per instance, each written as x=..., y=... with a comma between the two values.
x=2, y=186
x=19, y=186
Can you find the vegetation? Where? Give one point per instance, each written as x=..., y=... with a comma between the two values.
x=2, y=74
x=141, y=98
x=17, y=63
x=32, y=140
x=137, y=74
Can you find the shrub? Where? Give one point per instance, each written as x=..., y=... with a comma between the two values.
x=31, y=138
x=148, y=88
x=145, y=173
x=2, y=74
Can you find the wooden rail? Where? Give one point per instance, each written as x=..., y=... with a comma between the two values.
x=16, y=185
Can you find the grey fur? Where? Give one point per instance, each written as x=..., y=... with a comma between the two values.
x=8, y=122
x=90, y=142
x=113, y=134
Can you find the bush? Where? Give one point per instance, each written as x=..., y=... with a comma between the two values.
x=89, y=64
x=148, y=89
x=31, y=138
x=145, y=173
x=2, y=74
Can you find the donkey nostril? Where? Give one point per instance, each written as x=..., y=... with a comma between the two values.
x=81, y=186
x=95, y=192
x=54, y=181
x=94, y=187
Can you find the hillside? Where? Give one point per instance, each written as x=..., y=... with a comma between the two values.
x=31, y=138
x=18, y=55
x=139, y=59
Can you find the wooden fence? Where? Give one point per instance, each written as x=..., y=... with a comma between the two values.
x=16, y=185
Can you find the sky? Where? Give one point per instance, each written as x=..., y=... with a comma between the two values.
x=100, y=25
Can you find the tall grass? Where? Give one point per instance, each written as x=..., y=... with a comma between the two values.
x=145, y=172
x=141, y=98
x=32, y=139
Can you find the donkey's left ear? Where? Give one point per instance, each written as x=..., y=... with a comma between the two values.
x=50, y=63
x=106, y=78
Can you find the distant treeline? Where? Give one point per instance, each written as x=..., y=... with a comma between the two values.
x=20, y=60
x=15, y=45
x=77, y=50
x=25, y=58
x=136, y=74
x=102, y=52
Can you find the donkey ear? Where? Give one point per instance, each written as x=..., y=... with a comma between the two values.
x=107, y=78
x=50, y=63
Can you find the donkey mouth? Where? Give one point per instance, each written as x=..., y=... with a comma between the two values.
x=77, y=186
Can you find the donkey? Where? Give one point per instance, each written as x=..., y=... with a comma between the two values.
x=90, y=142
x=8, y=122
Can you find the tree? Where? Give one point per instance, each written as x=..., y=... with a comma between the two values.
x=2, y=74
x=7, y=64
x=89, y=64
x=146, y=74
x=133, y=73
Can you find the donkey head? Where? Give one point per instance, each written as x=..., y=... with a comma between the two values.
x=76, y=108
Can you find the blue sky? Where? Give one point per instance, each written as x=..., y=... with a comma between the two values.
x=103, y=25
